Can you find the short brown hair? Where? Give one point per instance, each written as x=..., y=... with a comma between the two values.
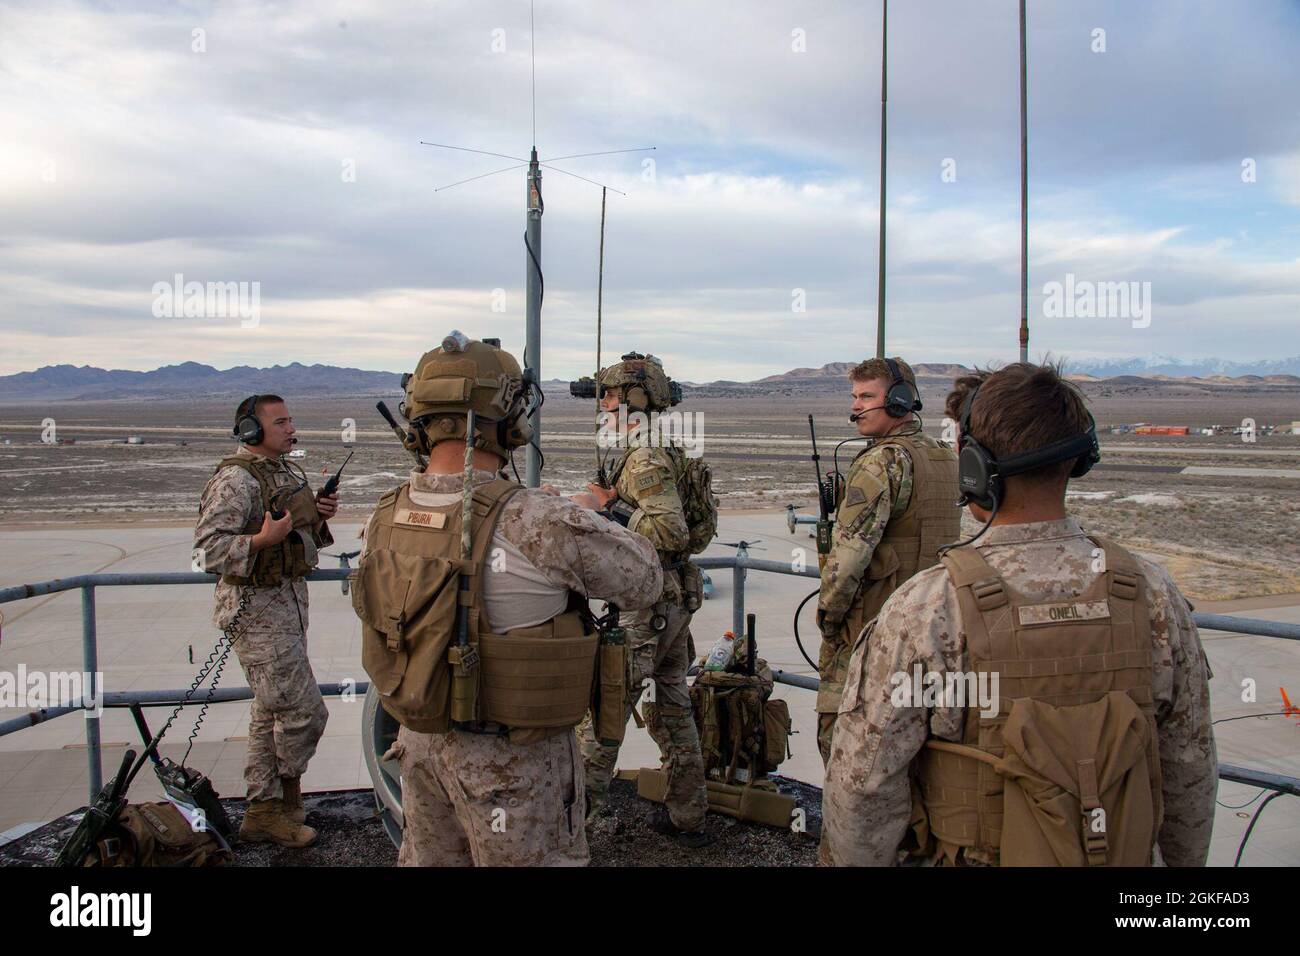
x=260, y=401
x=1020, y=408
x=873, y=368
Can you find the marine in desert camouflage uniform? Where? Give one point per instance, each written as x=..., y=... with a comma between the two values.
x=287, y=716
x=645, y=496
x=476, y=799
x=479, y=796
x=867, y=801
x=877, y=490
x=868, y=796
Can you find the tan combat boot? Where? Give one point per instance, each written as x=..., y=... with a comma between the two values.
x=293, y=808
x=265, y=820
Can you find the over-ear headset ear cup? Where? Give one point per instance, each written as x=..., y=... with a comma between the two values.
x=901, y=400
x=247, y=428
x=1083, y=464
x=249, y=431
x=901, y=397
x=976, y=478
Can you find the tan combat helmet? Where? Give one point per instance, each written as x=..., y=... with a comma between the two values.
x=462, y=374
x=646, y=387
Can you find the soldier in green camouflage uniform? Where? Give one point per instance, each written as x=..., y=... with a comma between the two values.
x=645, y=498
x=858, y=574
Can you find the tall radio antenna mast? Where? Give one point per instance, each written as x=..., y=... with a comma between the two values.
x=884, y=88
x=1024, y=194
x=535, y=206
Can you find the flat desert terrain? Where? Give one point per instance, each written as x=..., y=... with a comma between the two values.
x=1230, y=531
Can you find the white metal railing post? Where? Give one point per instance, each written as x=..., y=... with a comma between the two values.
x=90, y=667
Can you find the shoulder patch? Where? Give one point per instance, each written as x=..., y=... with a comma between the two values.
x=645, y=459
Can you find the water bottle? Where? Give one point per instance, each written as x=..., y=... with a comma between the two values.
x=721, y=653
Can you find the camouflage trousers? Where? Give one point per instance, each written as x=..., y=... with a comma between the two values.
x=480, y=800
x=832, y=669
x=287, y=716
x=658, y=680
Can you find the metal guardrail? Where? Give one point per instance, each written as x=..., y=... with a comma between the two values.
x=740, y=564
x=161, y=698
x=1247, y=625
x=87, y=583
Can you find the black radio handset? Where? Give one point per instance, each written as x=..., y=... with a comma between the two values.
x=332, y=485
x=825, y=496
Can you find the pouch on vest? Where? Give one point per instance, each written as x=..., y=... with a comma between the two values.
x=1078, y=785
x=407, y=607
x=611, y=690
x=692, y=586
x=538, y=677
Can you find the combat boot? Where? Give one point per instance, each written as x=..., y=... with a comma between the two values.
x=662, y=822
x=264, y=820
x=293, y=808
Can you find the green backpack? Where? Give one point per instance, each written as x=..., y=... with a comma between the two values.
x=695, y=487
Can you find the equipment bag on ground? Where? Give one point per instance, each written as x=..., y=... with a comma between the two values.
x=156, y=834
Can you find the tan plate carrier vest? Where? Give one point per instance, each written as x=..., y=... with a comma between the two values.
x=1068, y=771
x=533, y=682
x=912, y=540
x=288, y=558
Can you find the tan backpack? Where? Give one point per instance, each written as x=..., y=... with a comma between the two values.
x=744, y=734
x=1067, y=772
x=156, y=834
x=536, y=681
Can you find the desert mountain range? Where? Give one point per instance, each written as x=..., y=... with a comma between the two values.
x=72, y=383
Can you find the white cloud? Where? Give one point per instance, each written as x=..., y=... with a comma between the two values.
x=227, y=166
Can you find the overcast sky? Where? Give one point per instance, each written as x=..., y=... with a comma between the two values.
x=278, y=144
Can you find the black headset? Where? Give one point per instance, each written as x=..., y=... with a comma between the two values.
x=247, y=428
x=980, y=474
x=901, y=399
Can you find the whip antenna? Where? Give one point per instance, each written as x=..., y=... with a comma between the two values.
x=1024, y=194
x=535, y=207
x=880, y=276
x=600, y=295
